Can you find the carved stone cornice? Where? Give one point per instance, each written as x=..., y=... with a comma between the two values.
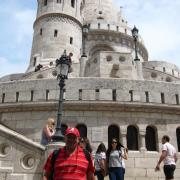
x=91, y=106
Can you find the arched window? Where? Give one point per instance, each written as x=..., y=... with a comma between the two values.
x=150, y=137
x=82, y=130
x=178, y=138
x=132, y=138
x=113, y=132
x=73, y=3
x=63, y=128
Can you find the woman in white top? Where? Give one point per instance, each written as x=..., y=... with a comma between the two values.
x=114, y=160
x=100, y=161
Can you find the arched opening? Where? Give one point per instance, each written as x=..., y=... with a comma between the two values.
x=178, y=138
x=82, y=130
x=113, y=132
x=132, y=138
x=63, y=128
x=98, y=48
x=151, y=143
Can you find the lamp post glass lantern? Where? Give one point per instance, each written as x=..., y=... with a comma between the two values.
x=62, y=66
x=135, y=37
x=85, y=30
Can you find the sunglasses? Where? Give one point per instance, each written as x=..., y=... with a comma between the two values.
x=114, y=142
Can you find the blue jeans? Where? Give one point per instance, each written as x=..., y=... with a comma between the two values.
x=116, y=173
x=99, y=175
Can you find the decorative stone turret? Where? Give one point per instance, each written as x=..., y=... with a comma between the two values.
x=57, y=27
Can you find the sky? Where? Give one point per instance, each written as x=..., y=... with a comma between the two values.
x=157, y=20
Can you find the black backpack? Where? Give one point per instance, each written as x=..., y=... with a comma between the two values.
x=55, y=155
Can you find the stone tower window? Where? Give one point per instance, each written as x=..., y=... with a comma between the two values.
x=47, y=94
x=55, y=33
x=73, y=3
x=125, y=30
x=164, y=69
x=80, y=94
x=3, y=97
x=150, y=139
x=32, y=95
x=173, y=72
x=99, y=25
x=34, y=61
x=108, y=26
x=147, y=96
x=71, y=40
x=131, y=95
x=40, y=32
x=177, y=99
x=178, y=138
x=45, y=2
x=162, y=98
x=58, y=1
x=17, y=96
x=97, y=94
x=117, y=28
x=82, y=130
x=114, y=94
x=132, y=138
x=113, y=132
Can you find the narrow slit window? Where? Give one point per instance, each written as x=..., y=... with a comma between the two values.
x=55, y=33
x=173, y=72
x=162, y=98
x=17, y=96
x=58, y=1
x=71, y=40
x=131, y=95
x=117, y=28
x=3, y=97
x=41, y=31
x=97, y=94
x=177, y=99
x=99, y=25
x=147, y=96
x=34, y=61
x=80, y=94
x=114, y=94
x=47, y=94
x=32, y=95
x=108, y=26
x=164, y=69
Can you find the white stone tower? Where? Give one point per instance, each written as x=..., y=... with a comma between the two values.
x=57, y=27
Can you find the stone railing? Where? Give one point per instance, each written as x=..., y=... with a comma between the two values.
x=20, y=157
x=91, y=89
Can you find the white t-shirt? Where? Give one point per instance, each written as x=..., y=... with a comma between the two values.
x=98, y=157
x=171, y=151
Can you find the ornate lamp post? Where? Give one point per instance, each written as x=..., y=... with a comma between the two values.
x=135, y=37
x=85, y=30
x=62, y=64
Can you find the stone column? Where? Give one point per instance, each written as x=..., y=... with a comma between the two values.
x=139, y=70
x=142, y=141
x=124, y=135
x=83, y=60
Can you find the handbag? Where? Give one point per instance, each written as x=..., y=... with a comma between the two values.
x=102, y=167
